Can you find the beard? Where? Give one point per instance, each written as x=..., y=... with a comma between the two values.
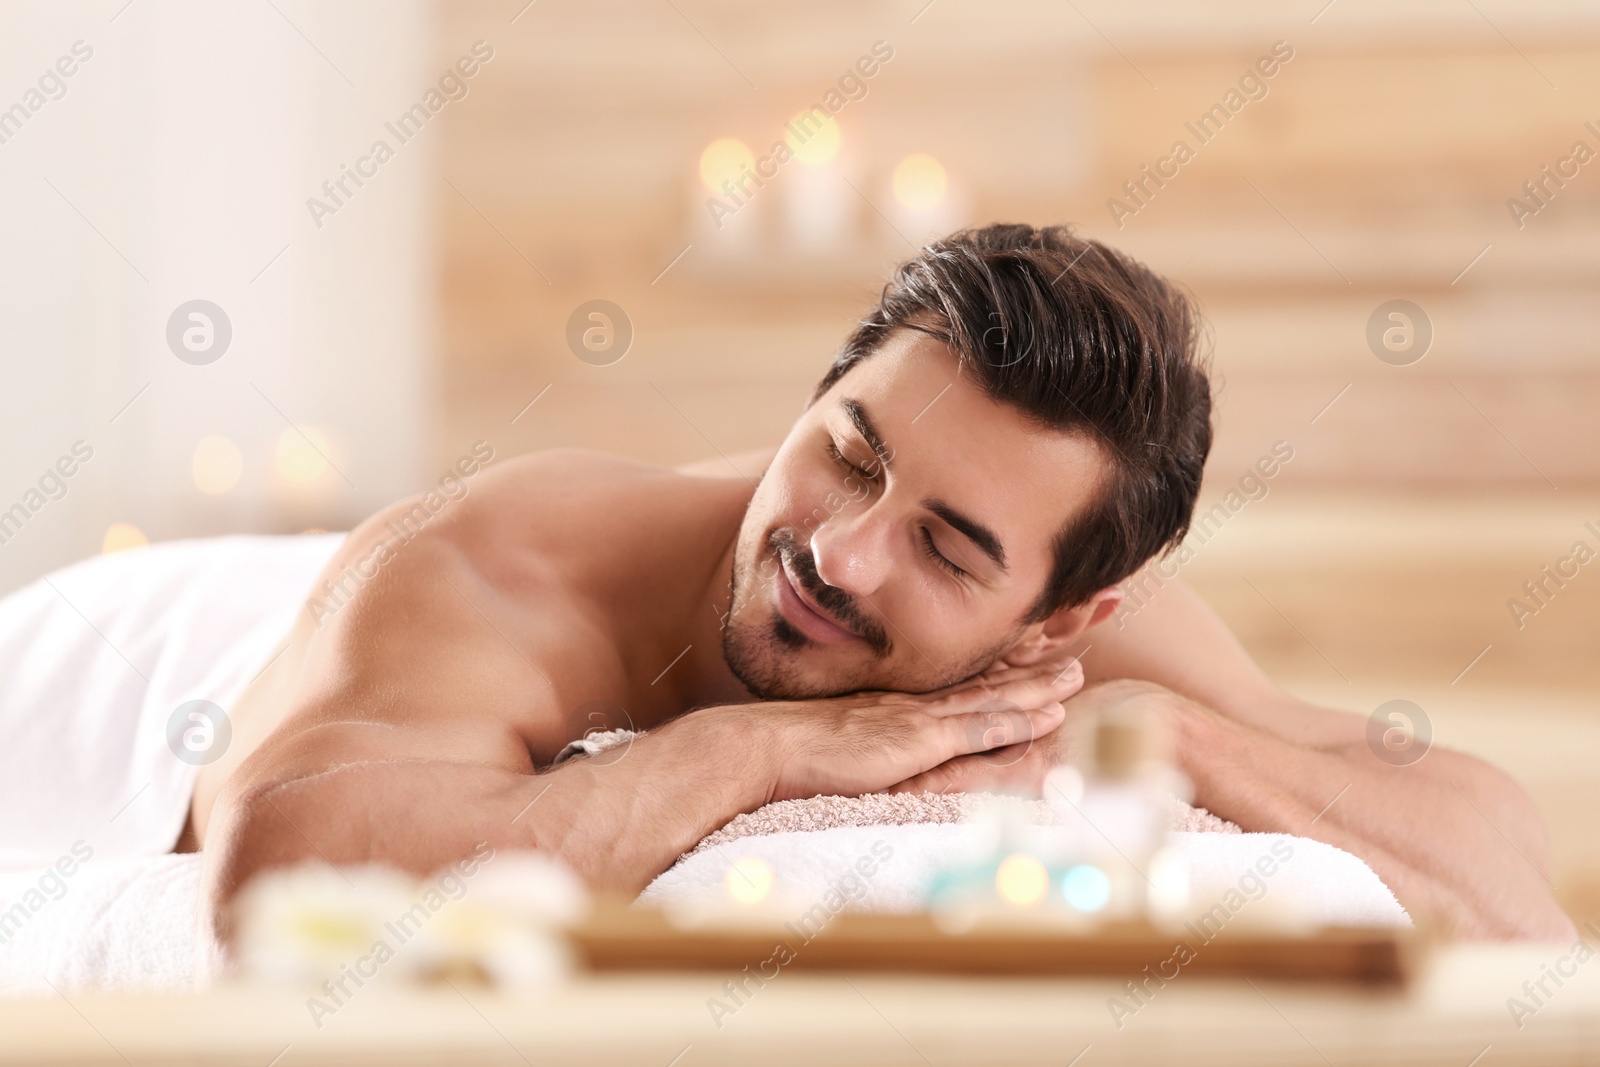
x=764, y=652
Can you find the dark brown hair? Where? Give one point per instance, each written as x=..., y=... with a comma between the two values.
x=1079, y=338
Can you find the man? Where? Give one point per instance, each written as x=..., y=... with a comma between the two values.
x=900, y=602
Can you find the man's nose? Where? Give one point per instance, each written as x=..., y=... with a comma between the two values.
x=852, y=549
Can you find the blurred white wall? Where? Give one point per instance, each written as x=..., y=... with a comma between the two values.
x=175, y=164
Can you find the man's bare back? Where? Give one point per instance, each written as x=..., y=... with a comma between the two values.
x=500, y=622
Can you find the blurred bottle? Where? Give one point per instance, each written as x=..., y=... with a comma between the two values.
x=1115, y=812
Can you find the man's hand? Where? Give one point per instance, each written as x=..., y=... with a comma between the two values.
x=867, y=742
x=1021, y=768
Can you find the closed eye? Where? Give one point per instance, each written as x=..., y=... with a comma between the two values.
x=937, y=556
x=847, y=464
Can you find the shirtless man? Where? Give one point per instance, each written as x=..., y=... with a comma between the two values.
x=895, y=600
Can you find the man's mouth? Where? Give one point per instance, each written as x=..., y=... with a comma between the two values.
x=804, y=614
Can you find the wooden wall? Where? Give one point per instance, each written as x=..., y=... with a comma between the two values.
x=1378, y=166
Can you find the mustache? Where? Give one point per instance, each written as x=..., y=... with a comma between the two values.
x=835, y=601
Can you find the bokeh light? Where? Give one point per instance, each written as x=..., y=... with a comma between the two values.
x=749, y=880
x=302, y=454
x=121, y=536
x=1021, y=880
x=217, y=465
x=821, y=143
x=1086, y=888
x=723, y=160
x=920, y=182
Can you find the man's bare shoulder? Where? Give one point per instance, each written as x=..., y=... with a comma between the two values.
x=556, y=478
x=592, y=473
x=545, y=554
x=581, y=501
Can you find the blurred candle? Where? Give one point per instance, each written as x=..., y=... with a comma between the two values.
x=923, y=200
x=724, y=204
x=721, y=163
x=302, y=454
x=121, y=536
x=819, y=206
x=920, y=182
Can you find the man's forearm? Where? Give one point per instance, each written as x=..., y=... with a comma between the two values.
x=618, y=823
x=1447, y=835
x=621, y=819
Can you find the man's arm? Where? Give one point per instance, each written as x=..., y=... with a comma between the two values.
x=1455, y=838
x=617, y=823
x=1451, y=832
x=405, y=745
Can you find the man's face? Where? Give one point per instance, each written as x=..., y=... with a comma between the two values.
x=902, y=533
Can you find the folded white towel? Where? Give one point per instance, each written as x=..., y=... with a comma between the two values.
x=1311, y=883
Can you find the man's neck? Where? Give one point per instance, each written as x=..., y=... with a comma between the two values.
x=683, y=641
x=706, y=676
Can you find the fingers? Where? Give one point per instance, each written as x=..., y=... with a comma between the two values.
x=1027, y=687
x=1066, y=671
x=998, y=667
x=1007, y=770
x=1001, y=673
x=984, y=731
x=942, y=779
x=1004, y=672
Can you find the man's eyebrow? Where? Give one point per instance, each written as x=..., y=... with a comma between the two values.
x=863, y=424
x=975, y=531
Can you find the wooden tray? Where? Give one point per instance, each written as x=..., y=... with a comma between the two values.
x=621, y=938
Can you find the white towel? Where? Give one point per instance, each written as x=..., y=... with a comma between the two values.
x=96, y=658
x=1316, y=884
x=125, y=924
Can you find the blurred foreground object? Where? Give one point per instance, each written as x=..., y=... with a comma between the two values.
x=497, y=922
x=1110, y=859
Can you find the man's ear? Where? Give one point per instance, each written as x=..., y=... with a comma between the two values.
x=1051, y=637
